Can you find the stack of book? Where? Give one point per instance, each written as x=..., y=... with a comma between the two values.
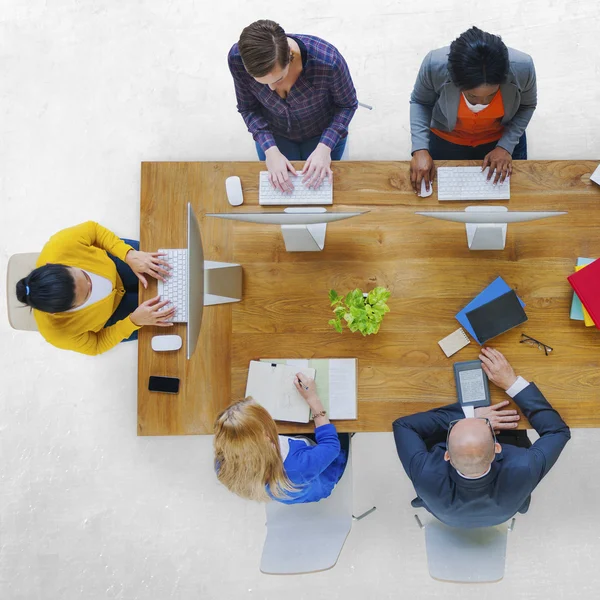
x=586, y=299
x=495, y=310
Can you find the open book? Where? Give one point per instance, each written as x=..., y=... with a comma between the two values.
x=335, y=379
x=271, y=384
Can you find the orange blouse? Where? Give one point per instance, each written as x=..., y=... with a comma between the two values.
x=474, y=129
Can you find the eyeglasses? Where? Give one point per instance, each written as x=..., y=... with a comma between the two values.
x=453, y=423
x=525, y=339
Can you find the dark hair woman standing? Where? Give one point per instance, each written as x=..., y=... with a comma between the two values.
x=297, y=98
x=472, y=101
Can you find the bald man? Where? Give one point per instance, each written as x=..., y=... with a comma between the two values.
x=461, y=473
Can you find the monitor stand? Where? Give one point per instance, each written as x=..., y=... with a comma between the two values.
x=222, y=282
x=304, y=238
x=486, y=236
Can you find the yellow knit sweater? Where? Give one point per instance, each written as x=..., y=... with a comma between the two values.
x=85, y=246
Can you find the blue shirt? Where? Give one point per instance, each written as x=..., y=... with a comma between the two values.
x=315, y=469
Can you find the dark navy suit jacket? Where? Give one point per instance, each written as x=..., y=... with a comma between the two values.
x=514, y=474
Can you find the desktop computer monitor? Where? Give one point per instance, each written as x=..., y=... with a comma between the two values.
x=195, y=287
x=486, y=225
x=207, y=282
x=303, y=229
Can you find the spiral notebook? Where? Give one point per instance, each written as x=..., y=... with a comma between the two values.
x=452, y=343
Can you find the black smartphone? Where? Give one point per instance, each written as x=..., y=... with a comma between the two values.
x=167, y=385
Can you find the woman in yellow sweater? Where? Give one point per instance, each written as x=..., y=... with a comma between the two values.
x=84, y=289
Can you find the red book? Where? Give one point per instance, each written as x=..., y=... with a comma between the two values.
x=586, y=284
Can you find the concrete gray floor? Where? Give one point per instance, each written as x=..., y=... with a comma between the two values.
x=89, y=90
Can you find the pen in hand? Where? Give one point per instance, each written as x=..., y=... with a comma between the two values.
x=300, y=383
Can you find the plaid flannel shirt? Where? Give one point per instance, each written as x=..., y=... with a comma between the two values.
x=321, y=102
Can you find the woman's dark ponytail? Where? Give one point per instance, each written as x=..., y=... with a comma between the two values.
x=22, y=291
x=50, y=288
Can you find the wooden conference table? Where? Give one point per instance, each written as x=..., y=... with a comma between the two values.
x=424, y=262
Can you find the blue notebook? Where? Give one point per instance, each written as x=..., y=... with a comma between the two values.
x=576, y=306
x=497, y=288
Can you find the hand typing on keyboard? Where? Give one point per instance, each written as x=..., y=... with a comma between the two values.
x=174, y=289
x=149, y=263
x=498, y=160
x=153, y=312
x=317, y=167
x=301, y=195
x=278, y=166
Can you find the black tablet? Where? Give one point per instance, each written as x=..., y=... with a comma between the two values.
x=471, y=384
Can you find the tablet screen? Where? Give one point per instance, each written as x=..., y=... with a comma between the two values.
x=471, y=386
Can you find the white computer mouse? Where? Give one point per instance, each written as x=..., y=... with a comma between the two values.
x=424, y=193
x=233, y=185
x=166, y=343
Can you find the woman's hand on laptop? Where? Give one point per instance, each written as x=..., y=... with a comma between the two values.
x=148, y=263
x=278, y=166
x=152, y=312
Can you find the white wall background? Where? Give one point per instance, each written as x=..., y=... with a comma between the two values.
x=89, y=89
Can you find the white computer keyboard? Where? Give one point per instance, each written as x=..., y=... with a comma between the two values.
x=174, y=288
x=301, y=196
x=469, y=183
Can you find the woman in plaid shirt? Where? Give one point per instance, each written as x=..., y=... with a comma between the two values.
x=297, y=98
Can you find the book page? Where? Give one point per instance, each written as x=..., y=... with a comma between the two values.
x=300, y=364
x=335, y=379
x=260, y=385
x=291, y=406
x=342, y=388
x=321, y=367
x=272, y=386
x=297, y=363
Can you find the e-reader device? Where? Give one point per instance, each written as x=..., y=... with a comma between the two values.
x=472, y=385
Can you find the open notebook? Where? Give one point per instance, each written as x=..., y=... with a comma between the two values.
x=271, y=384
x=336, y=386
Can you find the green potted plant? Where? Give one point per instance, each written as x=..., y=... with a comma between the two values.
x=360, y=311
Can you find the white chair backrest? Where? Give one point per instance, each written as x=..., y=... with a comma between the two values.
x=302, y=538
x=466, y=555
x=19, y=266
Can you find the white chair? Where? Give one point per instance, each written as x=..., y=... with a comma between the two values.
x=466, y=555
x=19, y=266
x=346, y=153
x=303, y=538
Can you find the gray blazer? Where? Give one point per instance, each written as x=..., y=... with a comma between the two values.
x=434, y=99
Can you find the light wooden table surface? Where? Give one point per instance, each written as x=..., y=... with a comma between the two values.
x=426, y=264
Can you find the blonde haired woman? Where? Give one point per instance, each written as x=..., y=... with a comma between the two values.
x=252, y=461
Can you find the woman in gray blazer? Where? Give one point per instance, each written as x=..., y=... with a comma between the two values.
x=471, y=101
